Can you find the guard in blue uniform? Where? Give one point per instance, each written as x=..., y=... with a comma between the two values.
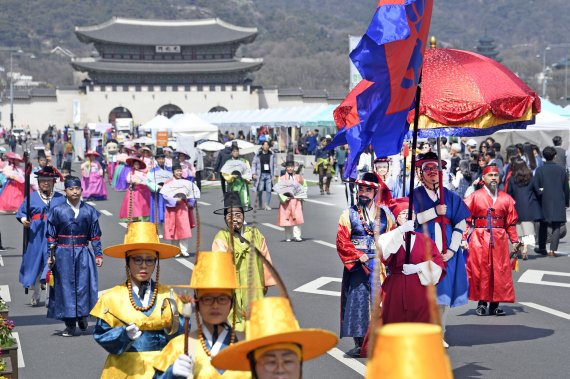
x=34, y=261
x=71, y=227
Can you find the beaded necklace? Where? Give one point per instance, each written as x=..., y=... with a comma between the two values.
x=364, y=223
x=154, y=293
x=201, y=333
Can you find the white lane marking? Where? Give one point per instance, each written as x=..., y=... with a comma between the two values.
x=185, y=262
x=203, y=203
x=324, y=243
x=106, y=213
x=20, y=354
x=547, y=310
x=348, y=361
x=90, y=203
x=314, y=287
x=535, y=277
x=123, y=224
x=273, y=226
x=5, y=293
x=319, y=202
x=1, y=261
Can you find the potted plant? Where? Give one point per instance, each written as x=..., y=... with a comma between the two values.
x=4, y=309
x=8, y=344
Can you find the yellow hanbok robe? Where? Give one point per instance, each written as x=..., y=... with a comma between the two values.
x=130, y=359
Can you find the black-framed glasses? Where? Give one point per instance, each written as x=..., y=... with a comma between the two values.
x=210, y=300
x=138, y=261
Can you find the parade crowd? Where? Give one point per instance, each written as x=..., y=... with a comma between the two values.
x=476, y=208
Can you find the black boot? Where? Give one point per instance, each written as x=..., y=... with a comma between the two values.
x=495, y=310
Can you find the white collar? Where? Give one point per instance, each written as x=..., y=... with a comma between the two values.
x=216, y=346
x=493, y=196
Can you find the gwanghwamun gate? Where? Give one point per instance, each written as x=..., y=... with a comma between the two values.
x=145, y=68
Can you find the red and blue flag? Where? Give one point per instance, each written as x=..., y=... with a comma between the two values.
x=390, y=56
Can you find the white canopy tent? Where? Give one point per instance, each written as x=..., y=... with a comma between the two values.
x=159, y=122
x=190, y=124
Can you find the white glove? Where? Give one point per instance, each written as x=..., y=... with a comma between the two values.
x=407, y=226
x=133, y=332
x=182, y=366
x=410, y=269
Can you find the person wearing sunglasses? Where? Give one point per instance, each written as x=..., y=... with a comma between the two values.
x=214, y=281
x=451, y=215
x=129, y=324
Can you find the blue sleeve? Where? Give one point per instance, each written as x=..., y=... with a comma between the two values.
x=51, y=232
x=95, y=234
x=113, y=340
x=22, y=211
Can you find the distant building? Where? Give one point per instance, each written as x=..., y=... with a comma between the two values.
x=150, y=67
x=486, y=47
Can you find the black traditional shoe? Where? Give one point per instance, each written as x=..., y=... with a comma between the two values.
x=498, y=312
x=82, y=322
x=68, y=332
x=540, y=251
x=354, y=352
x=2, y=248
x=481, y=310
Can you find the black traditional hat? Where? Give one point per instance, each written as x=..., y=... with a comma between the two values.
x=234, y=146
x=47, y=172
x=41, y=154
x=428, y=157
x=176, y=165
x=67, y=166
x=159, y=153
x=232, y=200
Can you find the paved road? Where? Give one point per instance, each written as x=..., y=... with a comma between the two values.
x=530, y=342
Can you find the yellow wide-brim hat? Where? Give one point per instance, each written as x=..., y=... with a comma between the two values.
x=273, y=322
x=213, y=270
x=409, y=350
x=142, y=236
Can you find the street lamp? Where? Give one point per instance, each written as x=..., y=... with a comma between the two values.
x=544, y=77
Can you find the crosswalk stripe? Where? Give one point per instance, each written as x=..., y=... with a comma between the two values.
x=106, y=213
x=123, y=224
x=5, y=293
x=185, y=262
x=273, y=226
x=547, y=310
x=324, y=243
x=348, y=361
x=90, y=203
x=319, y=202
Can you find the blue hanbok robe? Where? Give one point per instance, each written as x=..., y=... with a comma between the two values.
x=75, y=271
x=452, y=290
x=154, y=177
x=357, y=279
x=34, y=260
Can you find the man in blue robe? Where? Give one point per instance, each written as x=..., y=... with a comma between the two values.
x=71, y=226
x=453, y=288
x=34, y=261
x=156, y=178
x=356, y=249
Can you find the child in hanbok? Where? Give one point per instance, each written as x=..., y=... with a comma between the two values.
x=290, y=215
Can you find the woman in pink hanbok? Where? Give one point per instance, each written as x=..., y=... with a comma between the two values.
x=290, y=215
x=179, y=198
x=147, y=157
x=92, y=179
x=13, y=193
x=137, y=197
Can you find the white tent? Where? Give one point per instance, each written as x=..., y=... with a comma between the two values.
x=159, y=122
x=190, y=124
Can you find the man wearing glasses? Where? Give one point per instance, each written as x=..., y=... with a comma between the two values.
x=433, y=217
x=71, y=227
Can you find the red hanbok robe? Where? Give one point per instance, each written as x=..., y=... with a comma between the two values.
x=405, y=297
x=488, y=264
x=13, y=192
x=291, y=211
